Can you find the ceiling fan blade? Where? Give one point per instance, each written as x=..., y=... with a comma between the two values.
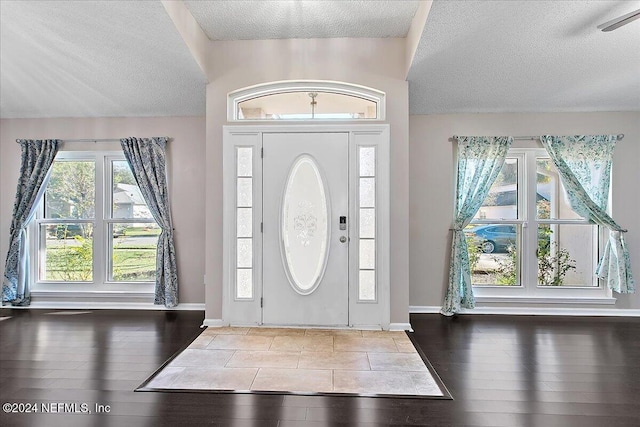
x=619, y=21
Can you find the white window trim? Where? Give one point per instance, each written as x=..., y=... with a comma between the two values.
x=100, y=285
x=273, y=88
x=529, y=292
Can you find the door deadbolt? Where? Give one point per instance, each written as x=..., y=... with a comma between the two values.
x=343, y=239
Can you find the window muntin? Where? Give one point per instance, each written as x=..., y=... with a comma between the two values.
x=94, y=226
x=536, y=241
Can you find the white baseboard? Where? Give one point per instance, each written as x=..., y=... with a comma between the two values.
x=535, y=311
x=400, y=327
x=545, y=300
x=87, y=305
x=432, y=309
x=214, y=323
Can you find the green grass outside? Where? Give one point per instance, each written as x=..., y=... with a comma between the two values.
x=73, y=263
x=141, y=231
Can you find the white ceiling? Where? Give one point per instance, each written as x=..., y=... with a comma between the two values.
x=94, y=59
x=260, y=20
x=526, y=56
x=125, y=58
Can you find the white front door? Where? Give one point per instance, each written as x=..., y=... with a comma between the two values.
x=305, y=252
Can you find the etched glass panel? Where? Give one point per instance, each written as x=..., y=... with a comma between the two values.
x=245, y=160
x=367, y=285
x=244, y=283
x=305, y=225
x=245, y=254
x=367, y=192
x=244, y=194
x=367, y=161
x=367, y=223
x=245, y=222
x=367, y=254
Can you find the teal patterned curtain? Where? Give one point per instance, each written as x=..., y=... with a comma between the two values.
x=480, y=159
x=147, y=158
x=584, y=165
x=36, y=160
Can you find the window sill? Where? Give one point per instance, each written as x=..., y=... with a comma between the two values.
x=546, y=300
x=66, y=295
x=93, y=289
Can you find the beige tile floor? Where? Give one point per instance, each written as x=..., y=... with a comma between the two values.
x=299, y=360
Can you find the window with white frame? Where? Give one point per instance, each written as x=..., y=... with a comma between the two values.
x=93, y=225
x=304, y=100
x=526, y=236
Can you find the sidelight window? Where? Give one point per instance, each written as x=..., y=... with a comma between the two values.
x=244, y=223
x=367, y=223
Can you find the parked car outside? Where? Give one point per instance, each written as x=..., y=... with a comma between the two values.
x=493, y=237
x=496, y=238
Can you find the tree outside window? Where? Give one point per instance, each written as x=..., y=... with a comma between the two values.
x=74, y=225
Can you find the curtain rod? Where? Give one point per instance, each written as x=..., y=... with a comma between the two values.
x=620, y=136
x=95, y=141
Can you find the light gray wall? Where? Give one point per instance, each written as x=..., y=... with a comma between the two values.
x=186, y=164
x=432, y=175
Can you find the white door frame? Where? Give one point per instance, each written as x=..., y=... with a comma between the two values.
x=247, y=311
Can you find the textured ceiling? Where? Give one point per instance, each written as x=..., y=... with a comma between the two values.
x=95, y=58
x=126, y=58
x=258, y=20
x=524, y=56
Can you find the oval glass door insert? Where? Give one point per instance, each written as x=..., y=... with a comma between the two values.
x=305, y=225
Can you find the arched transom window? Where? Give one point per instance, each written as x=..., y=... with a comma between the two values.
x=306, y=100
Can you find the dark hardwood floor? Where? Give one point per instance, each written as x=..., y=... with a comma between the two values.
x=501, y=370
